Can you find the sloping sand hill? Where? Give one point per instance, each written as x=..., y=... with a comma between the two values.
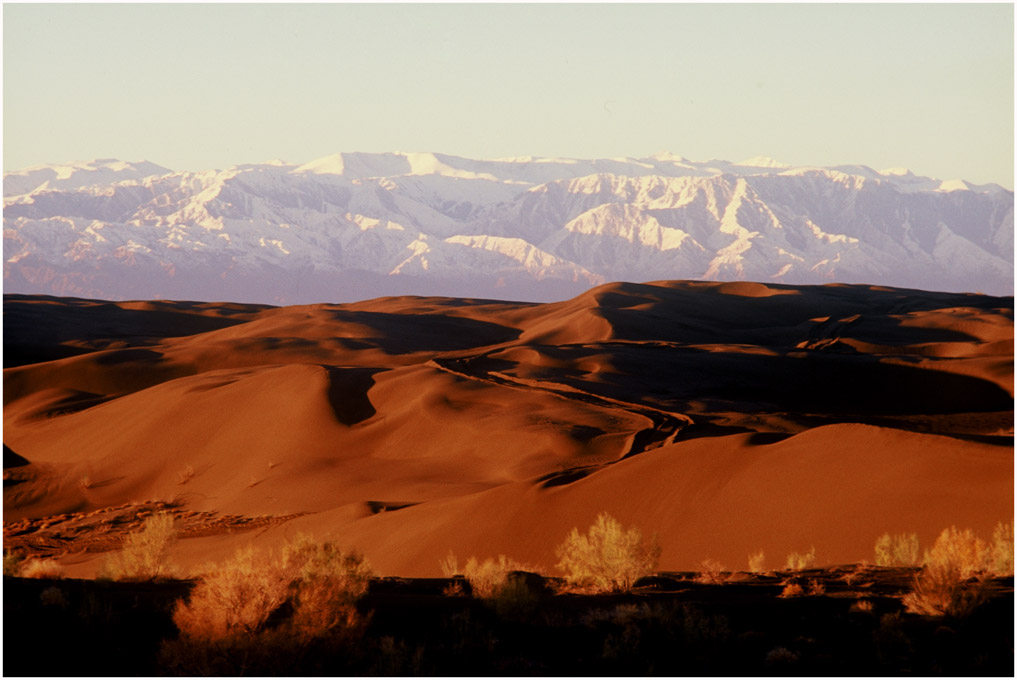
x=724, y=417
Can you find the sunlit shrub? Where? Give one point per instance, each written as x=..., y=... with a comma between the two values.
x=757, y=562
x=608, y=557
x=143, y=556
x=952, y=581
x=487, y=578
x=1001, y=551
x=798, y=561
x=900, y=550
x=711, y=571
x=36, y=567
x=257, y=612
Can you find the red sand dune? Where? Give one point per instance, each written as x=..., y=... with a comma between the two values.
x=726, y=418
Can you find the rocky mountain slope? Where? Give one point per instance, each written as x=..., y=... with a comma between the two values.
x=352, y=226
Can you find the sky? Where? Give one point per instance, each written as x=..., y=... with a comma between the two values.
x=929, y=87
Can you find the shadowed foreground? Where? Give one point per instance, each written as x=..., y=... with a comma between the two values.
x=670, y=625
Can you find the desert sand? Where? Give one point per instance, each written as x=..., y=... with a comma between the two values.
x=726, y=418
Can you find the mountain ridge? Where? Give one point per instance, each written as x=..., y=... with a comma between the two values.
x=355, y=225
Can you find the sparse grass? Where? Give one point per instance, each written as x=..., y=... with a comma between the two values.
x=608, y=557
x=798, y=561
x=900, y=550
x=36, y=567
x=757, y=562
x=143, y=556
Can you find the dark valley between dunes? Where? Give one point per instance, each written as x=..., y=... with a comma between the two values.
x=736, y=424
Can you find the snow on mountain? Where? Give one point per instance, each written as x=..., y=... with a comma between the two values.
x=356, y=225
x=77, y=174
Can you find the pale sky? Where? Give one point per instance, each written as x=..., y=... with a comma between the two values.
x=195, y=86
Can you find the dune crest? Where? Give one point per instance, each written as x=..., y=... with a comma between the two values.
x=725, y=417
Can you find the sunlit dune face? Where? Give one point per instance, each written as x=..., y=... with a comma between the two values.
x=725, y=418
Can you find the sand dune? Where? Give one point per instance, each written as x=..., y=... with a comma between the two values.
x=726, y=418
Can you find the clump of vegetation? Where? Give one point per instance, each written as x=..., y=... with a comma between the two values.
x=253, y=611
x=757, y=562
x=37, y=567
x=1001, y=551
x=953, y=579
x=450, y=565
x=900, y=550
x=798, y=561
x=489, y=577
x=12, y=564
x=143, y=556
x=711, y=571
x=608, y=557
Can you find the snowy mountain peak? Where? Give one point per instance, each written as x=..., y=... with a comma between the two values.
x=762, y=162
x=355, y=225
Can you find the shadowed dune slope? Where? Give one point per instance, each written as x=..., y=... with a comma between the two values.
x=725, y=417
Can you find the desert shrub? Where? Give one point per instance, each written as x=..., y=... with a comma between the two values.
x=12, y=564
x=233, y=599
x=792, y=590
x=258, y=613
x=36, y=567
x=798, y=561
x=516, y=600
x=487, y=578
x=952, y=580
x=900, y=550
x=53, y=597
x=757, y=562
x=862, y=607
x=711, y=571
x=958, y=549
x=449, y=565
x=326, y=583
x=607, y=557
x=143, y=556
x=816, y=587
x=1001, y=551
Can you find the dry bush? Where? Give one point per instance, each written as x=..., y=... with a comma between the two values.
x=862, y=607
x=608, y=557
x=12, y=564
x=36, y=567
x=959, y=549
x=792, y=590
x=450, y=565
x=487, y=578
x=143, y=556
x=952, y=581
x=256, y=613
x=1001, y=551
x=816, y=587
x=798, y=561
x=53, y=597
x=233, y=599
x=757, y=562
x=900, y=550
x=328, y=582
x=711, y=571
x=941, y=591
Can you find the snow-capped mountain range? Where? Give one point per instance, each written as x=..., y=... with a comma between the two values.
x=357, y=225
